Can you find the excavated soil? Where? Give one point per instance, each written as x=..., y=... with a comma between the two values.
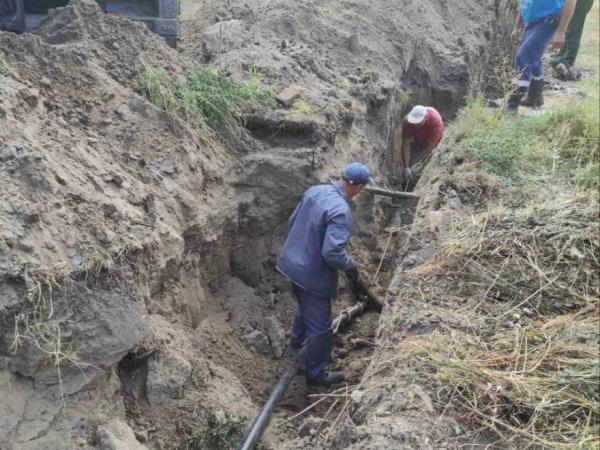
x=138, y=294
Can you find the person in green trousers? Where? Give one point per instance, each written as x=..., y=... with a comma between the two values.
x=563, y=61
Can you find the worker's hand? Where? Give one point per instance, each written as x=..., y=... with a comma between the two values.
x=558, y=41
x=515, y=33
x=406, y=174
x=352, y=275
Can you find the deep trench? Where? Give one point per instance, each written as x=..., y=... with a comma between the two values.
x=246, y=287
x=377, y=220
x=239, y=269
x=355, y=343
x=381, y=229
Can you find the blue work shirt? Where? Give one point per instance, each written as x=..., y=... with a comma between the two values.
x=318, y=233
x=536, y=10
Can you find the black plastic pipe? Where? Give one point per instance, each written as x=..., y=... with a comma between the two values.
x=262, y=420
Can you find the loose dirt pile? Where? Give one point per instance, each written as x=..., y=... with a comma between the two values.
x=139, y=304
x=98, y=190
x=87, y=160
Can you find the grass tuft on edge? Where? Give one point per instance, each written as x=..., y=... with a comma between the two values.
x=562, y=144
x=209, y=101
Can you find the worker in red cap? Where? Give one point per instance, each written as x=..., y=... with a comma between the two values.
x=421, y=131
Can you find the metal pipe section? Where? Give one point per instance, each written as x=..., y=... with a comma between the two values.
x=262, y=420
x=389, y=193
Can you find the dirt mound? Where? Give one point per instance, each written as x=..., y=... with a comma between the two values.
x=359, y=65
x=85, y=157
x=426, y=50
x=98, y=188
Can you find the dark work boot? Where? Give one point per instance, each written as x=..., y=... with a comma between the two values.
x=535, y=94
x=561, y=70
x=514, y=100
x=326, y=379
x=566, y=72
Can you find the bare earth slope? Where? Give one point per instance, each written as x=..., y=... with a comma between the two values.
x=88, y=163
x=90, y=173
x=426, y=47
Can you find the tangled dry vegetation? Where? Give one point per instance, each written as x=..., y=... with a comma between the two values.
x=519, y=355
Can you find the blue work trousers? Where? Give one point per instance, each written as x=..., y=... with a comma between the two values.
x=528, y=60
x=312, y=325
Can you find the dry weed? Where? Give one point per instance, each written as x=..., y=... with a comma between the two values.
x=515, y=295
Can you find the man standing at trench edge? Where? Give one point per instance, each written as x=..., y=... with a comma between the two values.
x=314, y=251
x=564, y=60
x=546, y=22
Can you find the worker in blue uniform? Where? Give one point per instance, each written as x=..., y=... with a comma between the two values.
x=546, y=23
x=313, y=253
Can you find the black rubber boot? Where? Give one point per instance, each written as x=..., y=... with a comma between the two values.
x=535, y=94
x=326, y=379
x=512, y=105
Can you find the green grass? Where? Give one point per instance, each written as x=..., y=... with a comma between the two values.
x=209, y=101
x=302, y=107
x=562, y=144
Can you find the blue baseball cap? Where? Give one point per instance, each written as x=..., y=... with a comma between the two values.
x=357, y=173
